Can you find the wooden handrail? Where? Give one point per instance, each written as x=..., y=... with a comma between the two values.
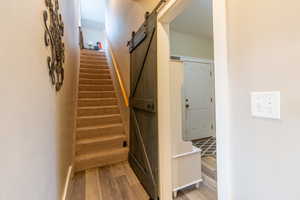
x=120, y=80
x=81, y=41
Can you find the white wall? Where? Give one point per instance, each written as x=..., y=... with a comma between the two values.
x=94, y=36
x=93, y=21
x=123, y=17
x=264, y=46
x=191, y=45
x=36, y=122
x=93, y=10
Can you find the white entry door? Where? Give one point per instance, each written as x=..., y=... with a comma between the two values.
x=198, y=100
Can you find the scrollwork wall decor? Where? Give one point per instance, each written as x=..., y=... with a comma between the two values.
x=54, y=32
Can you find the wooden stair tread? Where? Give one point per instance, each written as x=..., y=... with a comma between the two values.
x=97, y=107
x=98, y=110
x=109, y=82
x=94, y=58
x=96, y=94
x=98, y=116
x=97, y=84
x=95, y=76
x=83, y=60
x=95, y=69
x=105, y=64
x=95, y=63
x=86, y=56
x=93, y=85
x=87, y=102
x=90, y=53
x=99, y=127
x=95, y=99
x=88, y=92
x=88, y=65
x=101, y=154
x=87, y=79
x=92, y=73
x=101, y=139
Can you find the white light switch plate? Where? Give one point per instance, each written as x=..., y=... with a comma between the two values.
x=265, y=104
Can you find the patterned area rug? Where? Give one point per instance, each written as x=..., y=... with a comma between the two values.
x=207, y=146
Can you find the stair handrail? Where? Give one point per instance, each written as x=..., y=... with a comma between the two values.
x=81, y=41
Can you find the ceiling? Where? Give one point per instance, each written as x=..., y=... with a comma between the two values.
x=196, y=19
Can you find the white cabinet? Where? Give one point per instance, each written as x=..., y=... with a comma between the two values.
x=186, y=170
x=186, y=159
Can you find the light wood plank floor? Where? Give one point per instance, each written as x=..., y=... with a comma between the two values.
x=115, y=182
x=203, y=193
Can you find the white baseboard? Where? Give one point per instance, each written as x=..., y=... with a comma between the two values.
x=67, y=186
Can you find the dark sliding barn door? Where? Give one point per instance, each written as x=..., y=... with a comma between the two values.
x=143, y=155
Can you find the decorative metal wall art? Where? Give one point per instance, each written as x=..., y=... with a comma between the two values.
x=54, y=32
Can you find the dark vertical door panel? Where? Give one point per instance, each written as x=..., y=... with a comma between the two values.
x=143, y=156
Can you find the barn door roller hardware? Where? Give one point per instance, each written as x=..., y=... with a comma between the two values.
x=139, y=36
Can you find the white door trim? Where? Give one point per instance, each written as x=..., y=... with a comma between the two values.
x=166, y=15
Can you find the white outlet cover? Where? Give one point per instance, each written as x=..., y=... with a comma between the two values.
x=265, y=104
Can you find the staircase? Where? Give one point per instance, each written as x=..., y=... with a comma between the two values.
x=100, y=137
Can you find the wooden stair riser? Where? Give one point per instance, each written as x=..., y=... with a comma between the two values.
x=94, y=76
x=98, y=111
x=97, y=121
x=97, y=57
x=92, y=57
x=94, y=71
x=101, y=161
x=96, y=88
x=111, y=130
x=94, y=66
x=95, y=82
x=94, y=62
x=97, y=102
x=109, y=144
x=90, y=62
x=105, y=94
x=93, y=54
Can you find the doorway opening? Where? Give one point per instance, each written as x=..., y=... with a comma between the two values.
x=193, y=88
x=92, y=24
x=186, y=38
